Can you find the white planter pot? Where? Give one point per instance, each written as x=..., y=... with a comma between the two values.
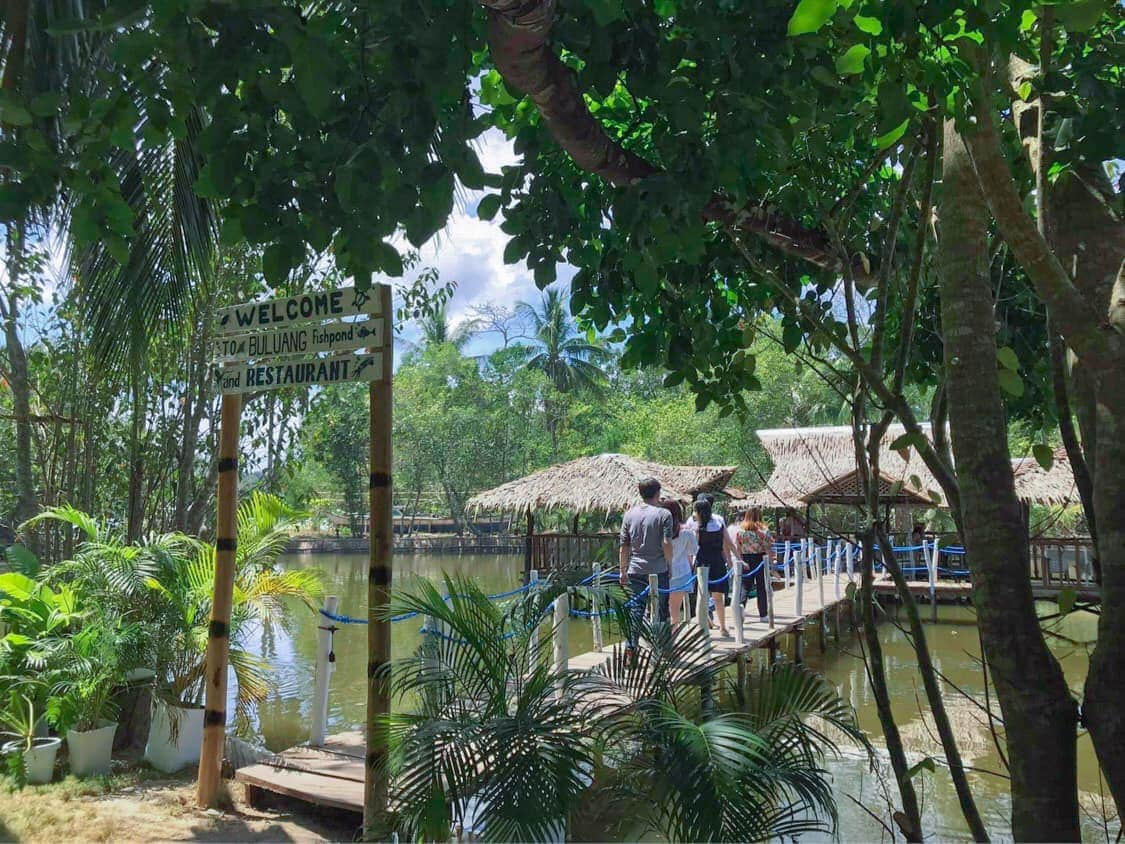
x=91, y=750
x=174, y=736
x=39, y=761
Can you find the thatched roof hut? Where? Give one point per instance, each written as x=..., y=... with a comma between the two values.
x=818, y=465
x=603, y=483
x=1052, y=487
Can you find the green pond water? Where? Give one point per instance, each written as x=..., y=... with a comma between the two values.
x=283, y=719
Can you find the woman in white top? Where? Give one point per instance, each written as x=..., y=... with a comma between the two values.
x=680, y=577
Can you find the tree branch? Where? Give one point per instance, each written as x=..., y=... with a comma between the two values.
x=519, y=39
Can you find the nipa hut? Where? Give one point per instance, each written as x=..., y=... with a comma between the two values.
x=604, y=484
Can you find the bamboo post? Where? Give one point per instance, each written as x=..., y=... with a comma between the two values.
x=799, y=581
x=787, y=561
x=379, y=576
x=653, y=599
x=528, y=564
x=562, y=631
x=819, y=560
x=319, y=731
x=533, y=640
x=849, y=559
x=596, y=607
x=736, y=588
x=701, y=599
x=218, y=632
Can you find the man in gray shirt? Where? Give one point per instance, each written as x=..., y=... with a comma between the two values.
x=645, y=548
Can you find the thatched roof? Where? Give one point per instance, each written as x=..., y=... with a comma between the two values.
x=599, y=484
x=818, y=465
x=1053, y=487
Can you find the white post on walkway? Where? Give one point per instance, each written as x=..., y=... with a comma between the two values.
x=787, y=561
x=933, y=576
x=736, y=601
x=562, y=631
x=319, y=731
x=701, y=596
x=596, y=607
x=653, y=599
x=769, y=593
x=820, y=576
x=799, y=581
x=533, y=642
x=849, y=558
x=838, y=549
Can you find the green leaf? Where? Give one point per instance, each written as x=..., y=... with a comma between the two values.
x=811, y=15
x=1081, y=16
x=926, y=764
x=824, y=76
x=46, y=105
x=791, y=336
x=1007, y=358
x=851, y=590
x=664, y=8
x=872, y=26
x=1044, y=455
x=231, y=233
x=22, y=560
x=1027, y=20
x=514, y=251
x=906, y=441
x=606, y=11
x=275, y=264
x=915, y=481
x=935, y=496
x=388, y=259
x=14, y=114
x=1025, y=91
x=892, y=137
x=488, y=206
x=1068, y=597
x=851, y=62
x=1010, y=382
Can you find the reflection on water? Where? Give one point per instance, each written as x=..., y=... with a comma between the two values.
x=283, y=720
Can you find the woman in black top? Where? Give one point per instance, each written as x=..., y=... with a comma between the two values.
x=715, y=549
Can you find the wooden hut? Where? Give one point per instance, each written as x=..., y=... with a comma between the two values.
x=603, y=484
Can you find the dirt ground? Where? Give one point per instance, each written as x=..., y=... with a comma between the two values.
x=139, y=804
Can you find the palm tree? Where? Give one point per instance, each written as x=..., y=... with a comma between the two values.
x=519, y=752
x=562, y=354
x=437, y=330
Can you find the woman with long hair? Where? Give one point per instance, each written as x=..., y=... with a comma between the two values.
x=755, y=544
x=715, y=550
x=684, y=547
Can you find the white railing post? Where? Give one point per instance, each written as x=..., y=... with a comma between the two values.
x=701, y=596
x=769, y=592
x=933, y=574
x=596, y=607
x=319, y=731
x=799, y=582
x=787, y=561
x=533, y=641
x=820, y=583
x=562, y=631
x=736, y=600
x=838, y=549
x=849, y=558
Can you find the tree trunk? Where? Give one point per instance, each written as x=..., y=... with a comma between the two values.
x=135, y=522
x=26, y=501
x=1039, y=715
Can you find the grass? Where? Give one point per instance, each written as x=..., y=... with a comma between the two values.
x=138, y=803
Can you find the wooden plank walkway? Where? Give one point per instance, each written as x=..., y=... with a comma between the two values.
x=332, y=775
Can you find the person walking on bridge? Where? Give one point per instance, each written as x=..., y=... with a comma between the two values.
x=755, y=544
x=645, y=548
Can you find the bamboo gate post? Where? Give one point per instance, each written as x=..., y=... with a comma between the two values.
x=932, y=567
x=379, y=576
x=787, y=561
x=533, y=640
x=736, y=600
x=653, y=599
x=218, y=632
x=821, y=561
x=318, y=733
x=562, y=633
x=769, y=590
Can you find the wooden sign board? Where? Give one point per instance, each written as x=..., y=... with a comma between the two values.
x=300, y=340
x=307, y=372
x=308, y=307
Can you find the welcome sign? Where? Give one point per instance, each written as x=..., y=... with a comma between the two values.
x=308, y=307
x=300, y=340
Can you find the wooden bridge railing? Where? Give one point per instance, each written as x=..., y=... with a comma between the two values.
x=1062, y=561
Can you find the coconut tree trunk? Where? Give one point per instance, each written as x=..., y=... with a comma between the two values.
x=1040, y=717
x=20, y=383
x=135, y=522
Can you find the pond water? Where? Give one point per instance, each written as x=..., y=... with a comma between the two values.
x=283, y=719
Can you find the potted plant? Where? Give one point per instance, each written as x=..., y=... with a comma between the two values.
x=93, y=665
x=31, y=758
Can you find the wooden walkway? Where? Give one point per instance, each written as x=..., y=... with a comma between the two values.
x=332, y=774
